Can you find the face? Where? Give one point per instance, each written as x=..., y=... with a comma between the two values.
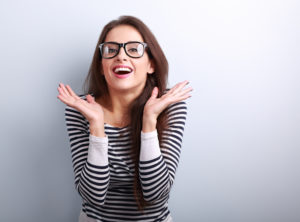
x=123, y=73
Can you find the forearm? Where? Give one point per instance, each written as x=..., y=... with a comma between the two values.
x=149, y=124
x=93, y=183
x=159, y=159
x=89, y=158
x=94, y=177
x=97, y=129
x=154, y=174
x=98, y=145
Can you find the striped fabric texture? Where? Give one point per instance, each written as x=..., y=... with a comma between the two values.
x=104, y=171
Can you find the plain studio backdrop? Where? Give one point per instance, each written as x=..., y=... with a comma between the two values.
x=240, y=153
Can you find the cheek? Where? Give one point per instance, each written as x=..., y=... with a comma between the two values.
x=141, y=69
x=105, y=67
x=142, y=65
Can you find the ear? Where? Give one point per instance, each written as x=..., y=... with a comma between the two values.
x=151, y=67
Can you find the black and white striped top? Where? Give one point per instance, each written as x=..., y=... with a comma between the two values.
x=104, y=170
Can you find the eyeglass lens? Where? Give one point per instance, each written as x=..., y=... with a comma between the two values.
x=133, y=49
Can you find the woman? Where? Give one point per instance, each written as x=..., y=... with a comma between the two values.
x=126, y=133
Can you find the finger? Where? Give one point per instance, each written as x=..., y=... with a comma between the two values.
x=173, y=88
x=154, y=93
x=61, y=92
x=181, y=98
x=64, y=89
x=185, y=91
x=180, y=86
x=177, y=86
x=71, y=92
x=90, y=98
x=61, y=98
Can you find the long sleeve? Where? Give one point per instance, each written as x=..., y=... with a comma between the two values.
x=89, y=158
x=158, y=164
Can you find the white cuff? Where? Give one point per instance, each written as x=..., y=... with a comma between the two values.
x=149, y=146
x=98, y=150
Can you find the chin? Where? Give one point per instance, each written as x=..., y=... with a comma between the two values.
x=127, y=88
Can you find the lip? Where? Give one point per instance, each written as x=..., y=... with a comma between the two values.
x=124, y=75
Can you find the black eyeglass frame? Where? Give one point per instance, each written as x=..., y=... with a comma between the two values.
x=124, y=46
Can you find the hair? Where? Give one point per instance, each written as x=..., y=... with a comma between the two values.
x=95, y=84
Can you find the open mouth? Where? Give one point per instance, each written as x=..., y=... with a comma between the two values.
x=122, y=70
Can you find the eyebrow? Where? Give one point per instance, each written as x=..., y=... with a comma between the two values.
x=122, y=42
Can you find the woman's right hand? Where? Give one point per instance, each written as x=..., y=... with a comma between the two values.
x=90, y=109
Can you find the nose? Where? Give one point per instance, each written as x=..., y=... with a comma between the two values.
x=122, y=55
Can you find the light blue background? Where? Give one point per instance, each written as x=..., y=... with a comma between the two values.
x=240, y=155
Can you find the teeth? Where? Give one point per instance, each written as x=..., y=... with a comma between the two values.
x=122, y=69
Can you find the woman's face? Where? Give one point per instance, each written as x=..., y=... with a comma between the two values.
x=135, y=80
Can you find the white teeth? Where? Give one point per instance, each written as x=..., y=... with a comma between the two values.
x=120, y=69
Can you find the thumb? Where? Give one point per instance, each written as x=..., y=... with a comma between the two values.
x=90, y=99
x=154, y=93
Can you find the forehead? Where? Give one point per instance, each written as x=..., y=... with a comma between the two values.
x=123, y=33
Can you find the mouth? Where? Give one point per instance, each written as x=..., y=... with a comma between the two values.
x=122, y=71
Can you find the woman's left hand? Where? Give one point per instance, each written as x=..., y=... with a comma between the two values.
x=154, y=106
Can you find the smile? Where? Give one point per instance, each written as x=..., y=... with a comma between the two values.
x=122, y=71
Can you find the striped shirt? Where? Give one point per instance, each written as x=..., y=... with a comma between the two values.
x=104, y=170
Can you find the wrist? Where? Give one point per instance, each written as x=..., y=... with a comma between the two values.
x=149, y=124
x=97, y=129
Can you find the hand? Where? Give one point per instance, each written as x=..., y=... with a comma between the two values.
x=154, y=106
x=90, y=109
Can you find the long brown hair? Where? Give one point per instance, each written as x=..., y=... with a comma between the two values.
x=95, y=84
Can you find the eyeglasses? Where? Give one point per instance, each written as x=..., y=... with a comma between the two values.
x=133, y=49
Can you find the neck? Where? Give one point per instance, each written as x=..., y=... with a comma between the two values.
x=119, y=103
x=117, y=106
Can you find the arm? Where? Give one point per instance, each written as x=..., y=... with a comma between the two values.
x=89, y=158
x=158, y=165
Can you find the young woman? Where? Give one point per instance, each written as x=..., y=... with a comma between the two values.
x=126, y=133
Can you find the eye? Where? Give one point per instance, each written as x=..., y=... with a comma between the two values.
x=111, y=50
x=132, y=50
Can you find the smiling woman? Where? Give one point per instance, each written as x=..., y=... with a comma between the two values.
x=126, y=132
x=126, y=57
